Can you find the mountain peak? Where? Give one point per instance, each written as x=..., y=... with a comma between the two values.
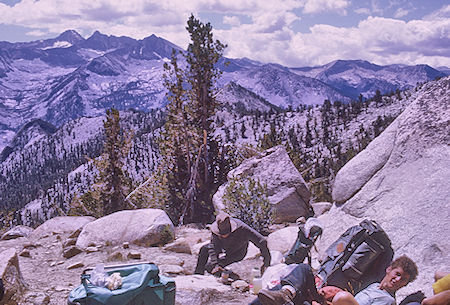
x=71, y=36
x=27, y=135
x=97, y=34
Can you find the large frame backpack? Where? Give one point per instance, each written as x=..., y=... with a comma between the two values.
x=358, y=258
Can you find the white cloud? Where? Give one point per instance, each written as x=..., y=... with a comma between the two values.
x=442, y=13
x=401, y=12
x=37, y=33
x=376, y=39
x=266, y=35
x=231, y=20
x=362, y=10
x=376, y=7
x=318, y=6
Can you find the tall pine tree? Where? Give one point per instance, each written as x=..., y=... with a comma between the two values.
x=111, y=186
x=191, y=163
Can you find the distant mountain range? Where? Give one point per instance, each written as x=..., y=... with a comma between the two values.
x=60, y=79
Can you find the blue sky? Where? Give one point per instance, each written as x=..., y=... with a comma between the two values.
x=289, y=32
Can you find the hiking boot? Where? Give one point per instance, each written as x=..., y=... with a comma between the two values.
x=275, y=297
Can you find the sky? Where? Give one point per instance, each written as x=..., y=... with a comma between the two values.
x=293, y=33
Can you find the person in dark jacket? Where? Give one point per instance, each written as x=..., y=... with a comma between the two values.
x=231, y=237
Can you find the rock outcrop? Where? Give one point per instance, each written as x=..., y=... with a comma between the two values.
x=11, y=275
x=145, y=227
x=286, y=188
x=401, y=180
x=50, y=276
x=206, y=289
x=283, y=239
x=61, y=224
x=16, y=232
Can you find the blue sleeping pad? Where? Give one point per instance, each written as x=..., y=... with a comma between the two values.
x=141, y=285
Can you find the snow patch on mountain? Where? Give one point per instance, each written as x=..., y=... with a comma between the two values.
x=58, y=44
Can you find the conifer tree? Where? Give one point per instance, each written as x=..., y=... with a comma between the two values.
x=109, y=191
x=191, y=162
x=202, y=55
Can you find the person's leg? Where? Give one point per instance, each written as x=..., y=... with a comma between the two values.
x=297, y=287
x=301, y=278
x=439, y=274
x=203, y=256
x=344, y=298
x=233, y=258
x=255, y=302
x=227, y=260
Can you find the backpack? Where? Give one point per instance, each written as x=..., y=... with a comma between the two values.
x=306, y=238
x=358, y=258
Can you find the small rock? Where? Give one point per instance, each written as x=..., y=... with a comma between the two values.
x=169, y=260
x=75, y=266
x=71, y=252
x=116, y=256
x=134, y=255
x=36, y=298
x=25, y=253
x=179, y=246
x=171, y=269
x=53, y=264
x=126, y=245
x=240, y=285
x=60, y=288
x=321, y=207
x=75, y=233
x=91, y=249
x=31, y=246
x=70, y=242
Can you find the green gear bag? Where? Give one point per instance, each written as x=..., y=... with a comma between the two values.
x=141, y=285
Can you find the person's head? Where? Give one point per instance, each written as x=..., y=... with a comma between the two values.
x=399, y=273
x=224, y=225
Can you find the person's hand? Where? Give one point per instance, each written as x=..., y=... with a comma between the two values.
x=442, y=298
x=217, y=270
x=263, y=268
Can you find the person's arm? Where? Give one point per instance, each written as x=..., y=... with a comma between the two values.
x=261, y=242
x=329, y=292
x=215, y=249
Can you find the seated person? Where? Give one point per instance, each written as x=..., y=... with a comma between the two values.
x=231, y=236
x=299, y=286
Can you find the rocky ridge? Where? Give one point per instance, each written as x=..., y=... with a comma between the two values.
x=401, y=180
